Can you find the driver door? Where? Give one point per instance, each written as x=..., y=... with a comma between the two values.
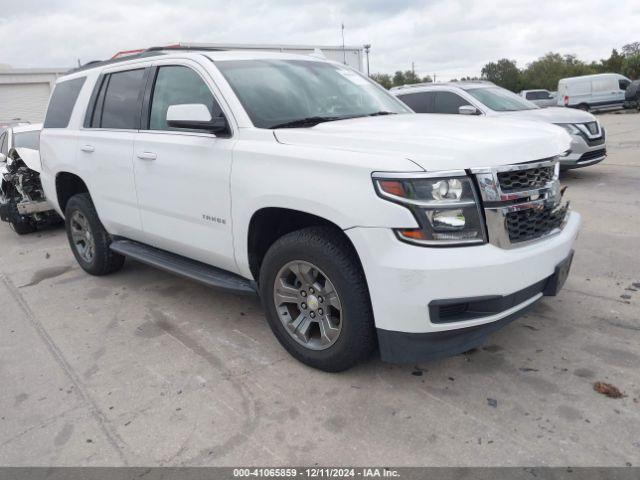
x=182, y=176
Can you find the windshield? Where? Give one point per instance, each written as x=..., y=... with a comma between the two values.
x=30, y=139
x=501, y=100
x=278, y=93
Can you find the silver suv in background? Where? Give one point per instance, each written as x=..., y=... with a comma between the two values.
x=542, y=98
x=485, y=98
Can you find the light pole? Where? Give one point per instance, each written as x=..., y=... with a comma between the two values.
x=367, y=47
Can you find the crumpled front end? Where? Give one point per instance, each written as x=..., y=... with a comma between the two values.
x=22, y=200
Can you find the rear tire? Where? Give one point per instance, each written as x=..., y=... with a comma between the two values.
x=584, y=107
x=88, y=239
x=341, y=334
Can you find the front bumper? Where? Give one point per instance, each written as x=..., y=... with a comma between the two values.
x=404, y=282
x=584, y=152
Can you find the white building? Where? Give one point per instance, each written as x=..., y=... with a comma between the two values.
x=24, y=92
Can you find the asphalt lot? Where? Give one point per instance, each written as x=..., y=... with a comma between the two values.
x=144, y=368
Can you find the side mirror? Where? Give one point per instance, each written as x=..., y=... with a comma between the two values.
x=195, y=116
x=468, y=110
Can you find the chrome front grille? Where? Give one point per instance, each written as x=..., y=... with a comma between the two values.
x=525, y=179
x=525, y=225
x=522, y=202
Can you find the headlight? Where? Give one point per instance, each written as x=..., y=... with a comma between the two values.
x=569, y=127
x=446, y=208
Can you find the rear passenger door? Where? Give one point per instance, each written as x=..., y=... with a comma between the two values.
x=182, y=176
x=106, y=147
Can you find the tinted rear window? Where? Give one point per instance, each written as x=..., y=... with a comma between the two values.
x=62, y=102
x=121, y=107
x=27, y=140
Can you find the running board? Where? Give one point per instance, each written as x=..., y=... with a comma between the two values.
x=185, y=267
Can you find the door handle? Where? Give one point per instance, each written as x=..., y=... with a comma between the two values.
x=147, y=156
x=88, y=148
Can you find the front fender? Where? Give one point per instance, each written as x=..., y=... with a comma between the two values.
x=313, y=181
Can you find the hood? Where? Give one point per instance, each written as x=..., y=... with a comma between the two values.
x=436, y=142
x=552, y=115
x=30, y=157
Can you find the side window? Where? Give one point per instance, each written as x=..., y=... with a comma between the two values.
x=122, y=100
x=178, y=85
x=62, y=102
x=623, y=84
x=419, y=102
x=532, y=95
x=447, y=102
x=4, y=145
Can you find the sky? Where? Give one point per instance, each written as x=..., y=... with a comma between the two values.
x=450, y=38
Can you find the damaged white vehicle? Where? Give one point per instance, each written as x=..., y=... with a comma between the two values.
x=22, y=201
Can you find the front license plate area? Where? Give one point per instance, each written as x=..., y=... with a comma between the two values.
x=556, y=281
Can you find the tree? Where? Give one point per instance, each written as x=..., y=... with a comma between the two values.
x=631, y=66
x=613, y=64
x=383, y=79
x=548, y=69
x=504, y=72
x=399, y=78
x=631, y=49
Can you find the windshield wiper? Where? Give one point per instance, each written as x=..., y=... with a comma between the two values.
x=382, y=112
x=305, y=122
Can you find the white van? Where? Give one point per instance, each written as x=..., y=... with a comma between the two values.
x=601, y=91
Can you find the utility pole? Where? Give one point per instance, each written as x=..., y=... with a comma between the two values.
x=367, y=47
x=434, y=78
x=344, y=53
x=413, y=67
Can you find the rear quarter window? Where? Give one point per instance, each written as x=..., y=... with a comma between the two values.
x=62, y=102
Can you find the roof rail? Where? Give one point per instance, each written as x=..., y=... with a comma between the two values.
x=428, y=84
x=143, y=53
x=411, y=85
x=187, y=46
x=118, y=59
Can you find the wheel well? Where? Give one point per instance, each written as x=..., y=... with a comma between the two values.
x=269, y=224
x=68, y=185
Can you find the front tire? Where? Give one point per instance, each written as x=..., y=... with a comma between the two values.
x=316, y=299
x=88, y=239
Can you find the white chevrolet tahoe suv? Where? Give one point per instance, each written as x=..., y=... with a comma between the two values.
x=358, y=222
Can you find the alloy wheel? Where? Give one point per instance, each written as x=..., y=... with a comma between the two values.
x=308, y=305
x=82, y=237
